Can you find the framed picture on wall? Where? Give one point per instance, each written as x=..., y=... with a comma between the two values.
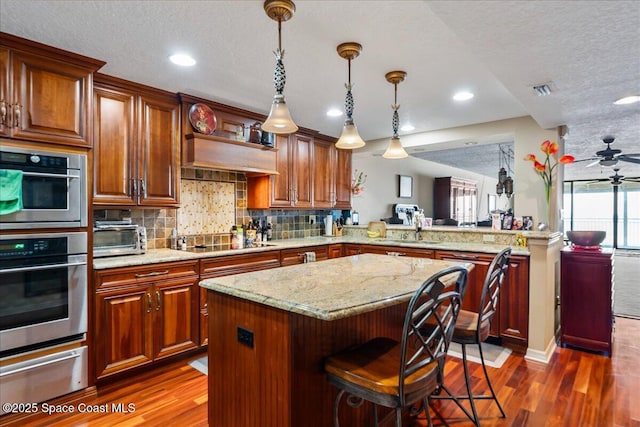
x=527, y=223
x=405, y=186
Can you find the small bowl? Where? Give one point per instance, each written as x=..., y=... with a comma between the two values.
x=586, y=238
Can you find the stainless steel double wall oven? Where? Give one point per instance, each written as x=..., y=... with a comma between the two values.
x=44, y=277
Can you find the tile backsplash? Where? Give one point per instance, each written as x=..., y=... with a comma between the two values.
x=210, y=203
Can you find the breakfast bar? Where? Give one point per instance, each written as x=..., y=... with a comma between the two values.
x=269, y=332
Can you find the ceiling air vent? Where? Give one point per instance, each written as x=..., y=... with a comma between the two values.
x=543, y=89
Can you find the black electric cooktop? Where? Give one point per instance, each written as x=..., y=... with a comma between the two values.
x=210, y=248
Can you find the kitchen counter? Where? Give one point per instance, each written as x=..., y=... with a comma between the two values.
x=155, y=256
x=335, y=288
x=273, y=329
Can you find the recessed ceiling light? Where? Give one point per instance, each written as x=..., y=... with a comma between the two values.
x=463, y=96
x=334, y=112
x=628, y=100
x=182, y=59
x=407, y=128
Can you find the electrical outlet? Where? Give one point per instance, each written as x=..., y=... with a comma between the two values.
x=245, y=336
x=487, y=238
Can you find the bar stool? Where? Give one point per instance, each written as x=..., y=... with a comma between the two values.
x=396, y=374
x=473, y=328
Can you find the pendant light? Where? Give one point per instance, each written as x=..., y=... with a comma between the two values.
x=395, y=149
x=505, y=182
x=349, y=139
x=279, y=120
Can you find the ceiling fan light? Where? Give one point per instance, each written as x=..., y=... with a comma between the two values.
x=608, y=162
x=395, y=150
x=350, y=139
x=279, y=120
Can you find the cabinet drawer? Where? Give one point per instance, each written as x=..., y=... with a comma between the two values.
x=145, y=274
x=233, y=264
x=296, y=255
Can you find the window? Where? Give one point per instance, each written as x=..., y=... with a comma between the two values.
x=589, y=205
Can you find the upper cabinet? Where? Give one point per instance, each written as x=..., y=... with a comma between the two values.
x=45, y=93
x=136, y=145
x=309, y=176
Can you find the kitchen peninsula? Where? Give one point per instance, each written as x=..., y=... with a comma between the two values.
x=269, y=332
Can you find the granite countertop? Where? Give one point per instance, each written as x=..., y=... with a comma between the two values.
x=335, y=288
x=156, y=256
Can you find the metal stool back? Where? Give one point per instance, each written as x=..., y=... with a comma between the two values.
x=398, y=374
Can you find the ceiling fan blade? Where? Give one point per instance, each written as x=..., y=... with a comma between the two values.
x=594, y=163
x=587, y=160
x=629, y=159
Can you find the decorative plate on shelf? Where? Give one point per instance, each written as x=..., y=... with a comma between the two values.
x=202, y=118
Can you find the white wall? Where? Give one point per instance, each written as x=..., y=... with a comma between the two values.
x=381, y=187
x=529, y=197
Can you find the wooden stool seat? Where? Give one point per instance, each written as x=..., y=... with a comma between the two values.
x=466, y=330
x=375, y=365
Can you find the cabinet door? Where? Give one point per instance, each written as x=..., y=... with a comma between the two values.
x=114, y=139
x=203, y=317
x=342, y=176
x=352, y=249
x=158, y=155
x=323, y=176
x=176, y=317
x=123, y=329
x=336, y=250
x=51, y=100
x=297, y=255
x=303, y=178
x=5, y=102
x=475, y=281
x=282, y=184
x=514, y=302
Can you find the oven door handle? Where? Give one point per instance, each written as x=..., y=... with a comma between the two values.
x=41, y=267
x=51, y=175
x=73, y=355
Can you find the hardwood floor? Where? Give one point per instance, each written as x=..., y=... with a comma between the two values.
x=576, y=389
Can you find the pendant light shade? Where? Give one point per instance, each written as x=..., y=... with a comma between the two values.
x=395, y=149
x=279, y=120
x=349, y=139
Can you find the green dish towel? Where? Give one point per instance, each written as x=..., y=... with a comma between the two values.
x=10, y=191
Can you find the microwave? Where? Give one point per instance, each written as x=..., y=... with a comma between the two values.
x=118, y=239
x=51, y=191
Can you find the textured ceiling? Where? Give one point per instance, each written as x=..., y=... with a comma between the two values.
x=590, y=50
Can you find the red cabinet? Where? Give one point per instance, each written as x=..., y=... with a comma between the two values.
x=586, y=299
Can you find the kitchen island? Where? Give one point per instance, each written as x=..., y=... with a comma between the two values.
x=269, y=332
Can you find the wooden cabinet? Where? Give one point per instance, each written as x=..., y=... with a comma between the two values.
x=455, y=198
x=298, y=255
x=136, y=145
x=227, y=265
x=312, y=173
x=511, y=322
x=342, y=174
x=45, y=93
x=336, y=250
x=586, y=299
x=143, y=314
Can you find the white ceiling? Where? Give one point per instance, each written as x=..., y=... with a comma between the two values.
x=590, y=50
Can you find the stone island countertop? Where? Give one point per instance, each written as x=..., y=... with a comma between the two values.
x=335, y=288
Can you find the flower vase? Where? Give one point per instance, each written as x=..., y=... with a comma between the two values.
x=544, y=225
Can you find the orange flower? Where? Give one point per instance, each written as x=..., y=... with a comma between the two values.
x=545, y=169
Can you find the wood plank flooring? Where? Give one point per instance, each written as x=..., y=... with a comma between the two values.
x=576, y=389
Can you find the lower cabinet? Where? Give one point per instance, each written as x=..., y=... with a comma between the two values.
x=143, y=314
x=336, y=250
x=298, y=255
x=397, y=250
x=511, y=323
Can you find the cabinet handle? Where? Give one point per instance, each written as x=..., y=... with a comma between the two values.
x=143, y=188
x=3, y=113
x=158, y=300
x=134, y=187
x=149, y=303
x=16, y=115
x=153, y=273
x=395, y=253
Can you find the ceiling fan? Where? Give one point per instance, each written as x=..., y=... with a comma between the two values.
x=617, y=179
x=610, y=156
